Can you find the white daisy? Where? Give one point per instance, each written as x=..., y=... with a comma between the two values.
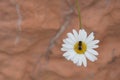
x=78, y=47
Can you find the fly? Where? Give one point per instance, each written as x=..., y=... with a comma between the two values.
x=80, y=45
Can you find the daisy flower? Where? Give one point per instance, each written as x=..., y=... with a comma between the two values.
x=78, y=47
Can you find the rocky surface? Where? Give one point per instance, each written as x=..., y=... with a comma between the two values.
x=31, y=33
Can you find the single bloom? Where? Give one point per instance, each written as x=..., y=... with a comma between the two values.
x=78, y=47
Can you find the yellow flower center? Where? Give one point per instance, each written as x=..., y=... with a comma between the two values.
x=80, y=47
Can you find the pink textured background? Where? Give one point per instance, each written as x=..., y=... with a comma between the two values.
x=41, y=21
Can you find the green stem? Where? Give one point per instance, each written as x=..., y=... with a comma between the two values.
x=79, y=14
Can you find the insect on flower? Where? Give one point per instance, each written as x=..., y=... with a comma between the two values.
x=78, y=47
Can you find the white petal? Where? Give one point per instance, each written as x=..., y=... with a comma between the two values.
x=92, y=46
x=66, y=54
x=82, y=34
x=92, y=51
x=67, y=46
x=75, y=59
x=65, y=41
x=70, y=35
x=90, y=56
x=70, y=41
x=79, y=36
x=69, y=55
x=75, y=34
x=90, y=38
x=79, y=61
x=84, y=60
x=94, y=42
x=66, y=49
